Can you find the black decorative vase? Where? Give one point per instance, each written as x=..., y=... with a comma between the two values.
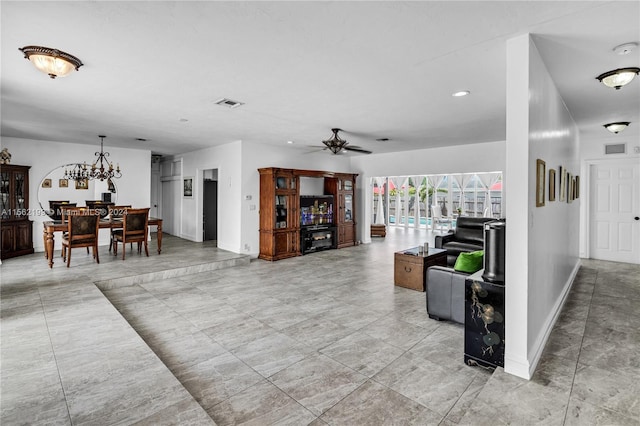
x=494, y=251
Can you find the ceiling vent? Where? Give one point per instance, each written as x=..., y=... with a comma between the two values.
x=618, y=148
x=229, y=103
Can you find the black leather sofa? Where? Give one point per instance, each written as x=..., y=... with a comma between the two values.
x=468, y=236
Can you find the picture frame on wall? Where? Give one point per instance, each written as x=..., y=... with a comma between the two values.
x=63, y=183
x=540, y=182
x=46, y=183
x=562, y=192
x=187, y=187
x=577, y=188
x=82, y=183
x=552, y=185
x=570, y=183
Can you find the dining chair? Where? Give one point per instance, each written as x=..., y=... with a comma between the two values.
x=82, y=231
x=115, y=215
x=135, y=228
x=70, y=210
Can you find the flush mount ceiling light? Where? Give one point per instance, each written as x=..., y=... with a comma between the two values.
x=52, y=62
x=618, y=78
x=617, y=127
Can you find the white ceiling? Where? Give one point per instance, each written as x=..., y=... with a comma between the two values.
x=374, y=69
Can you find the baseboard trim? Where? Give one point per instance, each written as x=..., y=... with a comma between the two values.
x=536, y=353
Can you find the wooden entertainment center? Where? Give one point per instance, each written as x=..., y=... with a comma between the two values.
x=281, y=233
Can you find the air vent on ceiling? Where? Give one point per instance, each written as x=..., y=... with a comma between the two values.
x=618, y=148
x=229, y=103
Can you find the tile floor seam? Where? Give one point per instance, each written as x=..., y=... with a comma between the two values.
x=55, y=358
x=575, y=370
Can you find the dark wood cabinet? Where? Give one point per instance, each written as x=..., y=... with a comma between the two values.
x=280, y=230
x=279, y=222
x=16, y=230
x=342, y=186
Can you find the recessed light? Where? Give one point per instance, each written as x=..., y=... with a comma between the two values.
x=625, y=49
x=461, y=93
x=290, y=142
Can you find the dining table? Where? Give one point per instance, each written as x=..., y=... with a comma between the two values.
x=53, y=226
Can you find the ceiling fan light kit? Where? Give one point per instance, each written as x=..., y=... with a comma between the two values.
x=336, y=144
x=53, y=62
x=617, y=127
x=618, y=78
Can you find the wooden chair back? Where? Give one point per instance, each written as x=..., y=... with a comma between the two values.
x=66, y=212
x=135, y=225
x=83, y=228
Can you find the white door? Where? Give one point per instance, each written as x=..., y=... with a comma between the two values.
x=170, y=205
x=615, y=212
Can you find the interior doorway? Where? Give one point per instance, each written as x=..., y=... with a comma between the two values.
x=210, y=205
x=614, y=211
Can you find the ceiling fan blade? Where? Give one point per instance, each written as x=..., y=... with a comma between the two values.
x=356, y=149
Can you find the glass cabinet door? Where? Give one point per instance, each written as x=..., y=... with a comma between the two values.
x=20, y=195
x=5, y=207
x=348, y=185
x=281, y=212
x=348, y=208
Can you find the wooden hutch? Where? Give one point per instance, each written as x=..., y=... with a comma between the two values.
x=280, y=231
x=16, y=230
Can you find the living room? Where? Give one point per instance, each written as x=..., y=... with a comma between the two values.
x=545, y=243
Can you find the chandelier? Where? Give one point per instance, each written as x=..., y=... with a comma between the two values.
x=101, y=169
x=53, y=62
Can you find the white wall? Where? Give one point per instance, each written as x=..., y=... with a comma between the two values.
x=591, y=152
x=542, y=242
x=44, y=156
x=481, y=157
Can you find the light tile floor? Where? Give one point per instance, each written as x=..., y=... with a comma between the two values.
x=319, y=339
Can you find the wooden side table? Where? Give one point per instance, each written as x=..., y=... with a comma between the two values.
x=410, y=266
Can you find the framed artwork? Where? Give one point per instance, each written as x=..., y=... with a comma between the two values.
x=540, y=182
x=577, y=192
x=46, y=183
x=187, y=190
x=552, y=185
x=570, y=184
x=63, y=183
x=82, y=183
x=563, y=183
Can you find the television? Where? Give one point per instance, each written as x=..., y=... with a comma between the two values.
x=316, y=210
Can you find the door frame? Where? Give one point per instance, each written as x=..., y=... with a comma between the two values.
x=585, y=208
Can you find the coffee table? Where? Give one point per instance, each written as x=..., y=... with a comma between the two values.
x=410, y=266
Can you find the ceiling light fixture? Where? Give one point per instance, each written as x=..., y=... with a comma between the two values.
x=617, y=127
x=52, y=62
x=461, y=93
x=104, y=172
x=335, y=143
x=618, y=78
x=625, y=49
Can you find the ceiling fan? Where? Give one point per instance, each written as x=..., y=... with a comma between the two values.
x=336, y=144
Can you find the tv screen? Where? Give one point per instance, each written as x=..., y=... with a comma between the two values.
x=316, y=210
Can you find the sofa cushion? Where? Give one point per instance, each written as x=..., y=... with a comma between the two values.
x=474, y=234
x=455, y=247
x=469, y=262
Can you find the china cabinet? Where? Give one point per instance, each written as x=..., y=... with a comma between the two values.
x=16, y=230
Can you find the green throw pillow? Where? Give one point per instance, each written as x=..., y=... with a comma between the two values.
x=469, y=262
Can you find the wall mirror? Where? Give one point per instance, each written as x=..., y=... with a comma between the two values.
x=54, y=188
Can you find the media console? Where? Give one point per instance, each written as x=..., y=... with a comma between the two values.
x=315, y=238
